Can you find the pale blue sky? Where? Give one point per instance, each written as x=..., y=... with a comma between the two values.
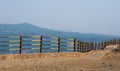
x=85, y=16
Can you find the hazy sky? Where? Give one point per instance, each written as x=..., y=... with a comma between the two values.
x=85, y=16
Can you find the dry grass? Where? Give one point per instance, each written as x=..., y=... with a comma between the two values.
x=100, y=60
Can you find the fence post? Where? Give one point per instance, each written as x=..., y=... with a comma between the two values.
x=74, y=45
x=78, y=49
x=105, y=44
x=88, y=46
x=102, y=45
x=80, y=46
x=115, y=42
x=58, y=44
x=20, y=44
x=98, y=45
x=83, y=47
x=41, y=40
x=92, y=45
x=86, y=49
x=95, y=45
x=119, y=41
x=110, y=42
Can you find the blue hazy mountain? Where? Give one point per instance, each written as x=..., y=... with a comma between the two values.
x=28, y=29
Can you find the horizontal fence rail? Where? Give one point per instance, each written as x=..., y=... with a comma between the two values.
x=39, y=44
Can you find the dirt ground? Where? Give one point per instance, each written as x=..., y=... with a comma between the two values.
x=96, y=60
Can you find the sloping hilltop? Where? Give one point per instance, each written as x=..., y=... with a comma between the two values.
x=96, y=60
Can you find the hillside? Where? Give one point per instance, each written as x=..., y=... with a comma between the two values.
x=28, y=29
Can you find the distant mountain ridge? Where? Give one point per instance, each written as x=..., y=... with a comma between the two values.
x=28, y=29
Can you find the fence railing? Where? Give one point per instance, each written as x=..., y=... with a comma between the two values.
x=35, y=44
x=38, y=44
x=88, y=46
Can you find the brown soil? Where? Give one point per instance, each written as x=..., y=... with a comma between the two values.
x=96, y=60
